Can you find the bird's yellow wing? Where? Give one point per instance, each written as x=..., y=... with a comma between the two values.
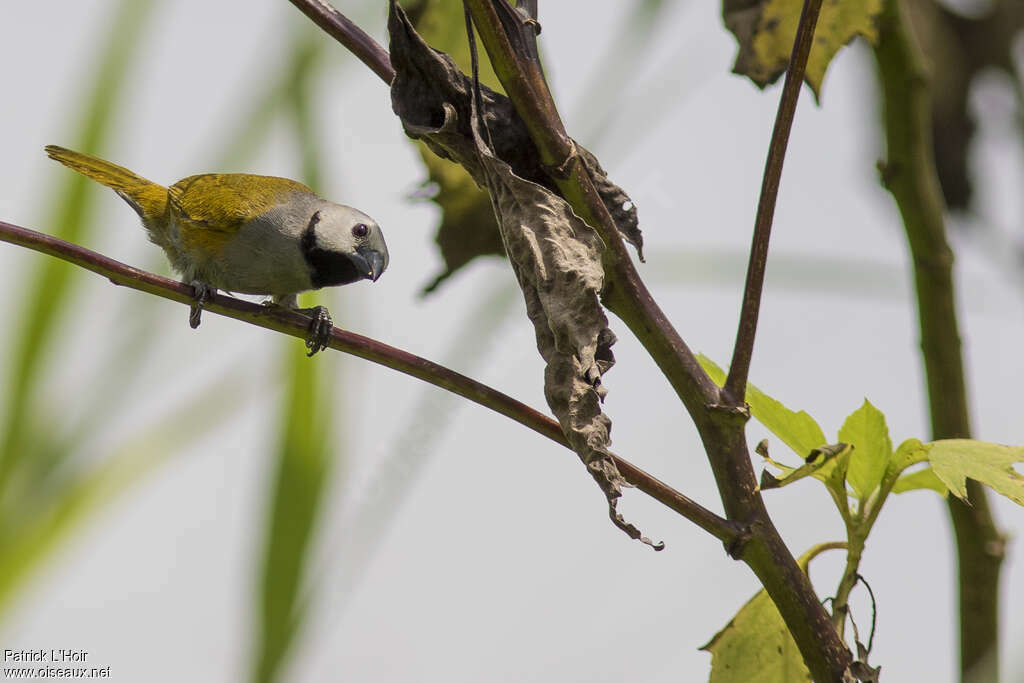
x=210, y=208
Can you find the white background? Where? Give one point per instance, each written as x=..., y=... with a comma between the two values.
x=487, y=554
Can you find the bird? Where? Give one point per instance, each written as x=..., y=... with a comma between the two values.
x=249, y=234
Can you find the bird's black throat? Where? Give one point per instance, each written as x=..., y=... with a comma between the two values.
x=327, y=268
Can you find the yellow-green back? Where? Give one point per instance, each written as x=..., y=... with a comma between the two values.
x=225, y=201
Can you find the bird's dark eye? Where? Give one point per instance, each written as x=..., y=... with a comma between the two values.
x=360, y=230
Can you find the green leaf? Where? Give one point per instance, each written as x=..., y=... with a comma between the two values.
x=756, y=646
x=866, y=431
x=765, y=30
x=956, y=460
x=921, y=479
x=305, y=455
x=307, y=451
x=799, y=431
x=908, y=453
x=46, y=289
x=31, y=538
x=822, y=464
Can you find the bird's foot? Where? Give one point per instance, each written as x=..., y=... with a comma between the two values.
x=319, y=329
x=203, y=294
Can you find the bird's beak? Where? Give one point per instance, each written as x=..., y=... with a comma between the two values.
x=371, y=263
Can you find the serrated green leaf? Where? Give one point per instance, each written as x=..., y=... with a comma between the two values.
x=866, y=431
x=765, y=30
x=755, y=646
x=921, y=479
x=798, y=430
x=956, y=460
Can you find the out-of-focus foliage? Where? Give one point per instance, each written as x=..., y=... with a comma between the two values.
x=311, y=421
x=467, y=229
x=959, y=49
x=44, y=490
x=765, y=30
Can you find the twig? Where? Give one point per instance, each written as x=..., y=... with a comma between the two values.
x=358, y=42
x=735, y=386
x=909, y=174
x=297, y=325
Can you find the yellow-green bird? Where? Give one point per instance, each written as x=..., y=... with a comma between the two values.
x=246, y=233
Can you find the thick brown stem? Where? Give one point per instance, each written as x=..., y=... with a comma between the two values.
x=721, y=426
x=909, y=174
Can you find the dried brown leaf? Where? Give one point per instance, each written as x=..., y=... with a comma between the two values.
x=432, y=97
x=556, y=257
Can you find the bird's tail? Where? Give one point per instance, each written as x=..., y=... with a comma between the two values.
x=147, y=198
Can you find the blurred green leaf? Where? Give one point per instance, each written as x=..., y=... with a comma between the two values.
x=68, y=503
x=305, y=456
x=309, y=422
x=467, y=229
x=865, y=429
x=49, y=285
x=765, y=30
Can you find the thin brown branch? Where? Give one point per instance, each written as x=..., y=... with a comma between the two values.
x=735, y=386
x=358, y=42
x=297, y=325
x=910, y=175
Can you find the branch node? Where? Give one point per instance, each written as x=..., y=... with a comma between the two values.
x=740, y=413
x=736, y=546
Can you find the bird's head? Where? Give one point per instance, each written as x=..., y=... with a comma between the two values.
x=342, y=245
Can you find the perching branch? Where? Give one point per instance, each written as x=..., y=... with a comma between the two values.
x=910, y=175
x=735, y=386
x=296, y=324
x=721, y=426
x=355, y=39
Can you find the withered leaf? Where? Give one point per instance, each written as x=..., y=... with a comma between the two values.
x=765, y=30
x=556, y=257
x=420, y=100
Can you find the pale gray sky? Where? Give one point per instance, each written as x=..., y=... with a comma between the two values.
x=493, y=559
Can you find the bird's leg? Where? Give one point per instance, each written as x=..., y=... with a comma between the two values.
x=319, y=328
x=203, y=294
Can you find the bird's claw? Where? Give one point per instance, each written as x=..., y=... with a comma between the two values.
x=319, y=329
x=203, y=294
